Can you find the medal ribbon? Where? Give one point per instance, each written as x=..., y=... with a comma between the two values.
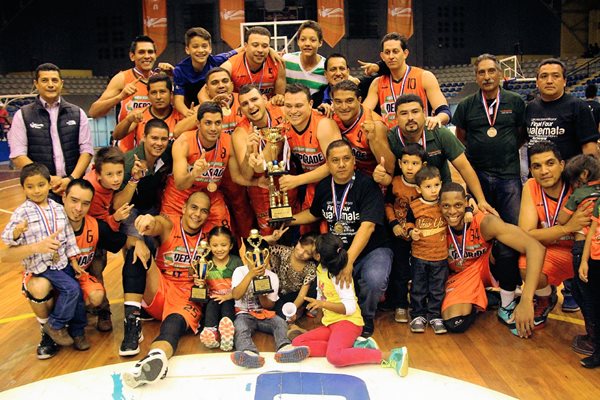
x=487, y=108
x=421, y=141
x=262, y=73
x=401, y=87
x=185, y=242
x=459, y=249
x=49, y=229
x=550, y=223
x=262, y=144
x=210, y=164
x=338, y=211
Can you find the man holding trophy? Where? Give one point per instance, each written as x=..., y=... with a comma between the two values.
x=252, y=151
x=170, y=293
x=255, y=289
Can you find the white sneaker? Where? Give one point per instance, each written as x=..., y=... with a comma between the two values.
x=148, y=370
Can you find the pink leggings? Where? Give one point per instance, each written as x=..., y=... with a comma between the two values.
x=335, y=342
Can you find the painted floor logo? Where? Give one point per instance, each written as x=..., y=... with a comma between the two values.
x=310, y=385
x=117, y=393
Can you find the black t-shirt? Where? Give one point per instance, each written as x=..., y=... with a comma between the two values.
x=595, y=107
x=364, y=203
x=567, y=122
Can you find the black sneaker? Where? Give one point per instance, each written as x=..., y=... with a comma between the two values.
x=47, y=347
x=369, y=328
x=144, y=316
x=132, y=336
x=104, y=323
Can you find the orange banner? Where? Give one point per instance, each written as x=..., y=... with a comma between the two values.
x=232, y=15
x=331, y=19
x=400, y=17
x=155, y=23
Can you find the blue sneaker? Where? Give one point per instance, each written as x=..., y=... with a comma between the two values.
x=505, y=313
x=569, y=304
x=398, y=360
x=368, y=343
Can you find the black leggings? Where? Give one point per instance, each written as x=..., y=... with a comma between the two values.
x=171, y=330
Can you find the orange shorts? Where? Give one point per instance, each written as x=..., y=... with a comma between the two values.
x=558, y=264
x=468, y=286
x=88, y=285
x=173, y=298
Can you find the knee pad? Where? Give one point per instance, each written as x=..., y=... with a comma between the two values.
x=171, y=329
x=134, y=275
x=33, y=299
x=460, y=324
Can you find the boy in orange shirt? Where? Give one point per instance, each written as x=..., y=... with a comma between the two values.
x=106, y=177
x=427, y=229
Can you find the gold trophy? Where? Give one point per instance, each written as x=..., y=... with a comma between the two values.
x=260, y=284
x=279, y=205
x=199, y=268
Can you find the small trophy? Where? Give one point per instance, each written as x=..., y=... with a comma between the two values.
x=279, y=206
x=199, y=267
x=260, y=284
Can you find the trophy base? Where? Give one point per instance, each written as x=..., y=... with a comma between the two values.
x=279, y=215
x=199, y=295
x=262, y=285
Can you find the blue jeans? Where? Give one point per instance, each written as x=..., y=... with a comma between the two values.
x=428, y=287
x=69, y=308
x=371, y=273
x=245, y=326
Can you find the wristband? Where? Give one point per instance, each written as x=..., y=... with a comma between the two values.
x=133, y=180
x=394, y=223
x=71, y=178
x=469, y=209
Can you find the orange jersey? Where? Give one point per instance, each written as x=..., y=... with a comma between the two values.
x=172, y=257
x=476, y=248
x=357, y=138
x=595, y=244
x=398, y=200
x=87, y=242
x=217, y=157
x=136, y=101
x=389, y=91
x=537, y=196
x=305, y=145
x=427, y=217
x=264, y=78
x=230, y=121
x=171, y=120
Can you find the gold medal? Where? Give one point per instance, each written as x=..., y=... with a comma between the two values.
x=492, y=132
x=226, y=111
x=55, y=258
x=211, y=187
x=338, y=227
